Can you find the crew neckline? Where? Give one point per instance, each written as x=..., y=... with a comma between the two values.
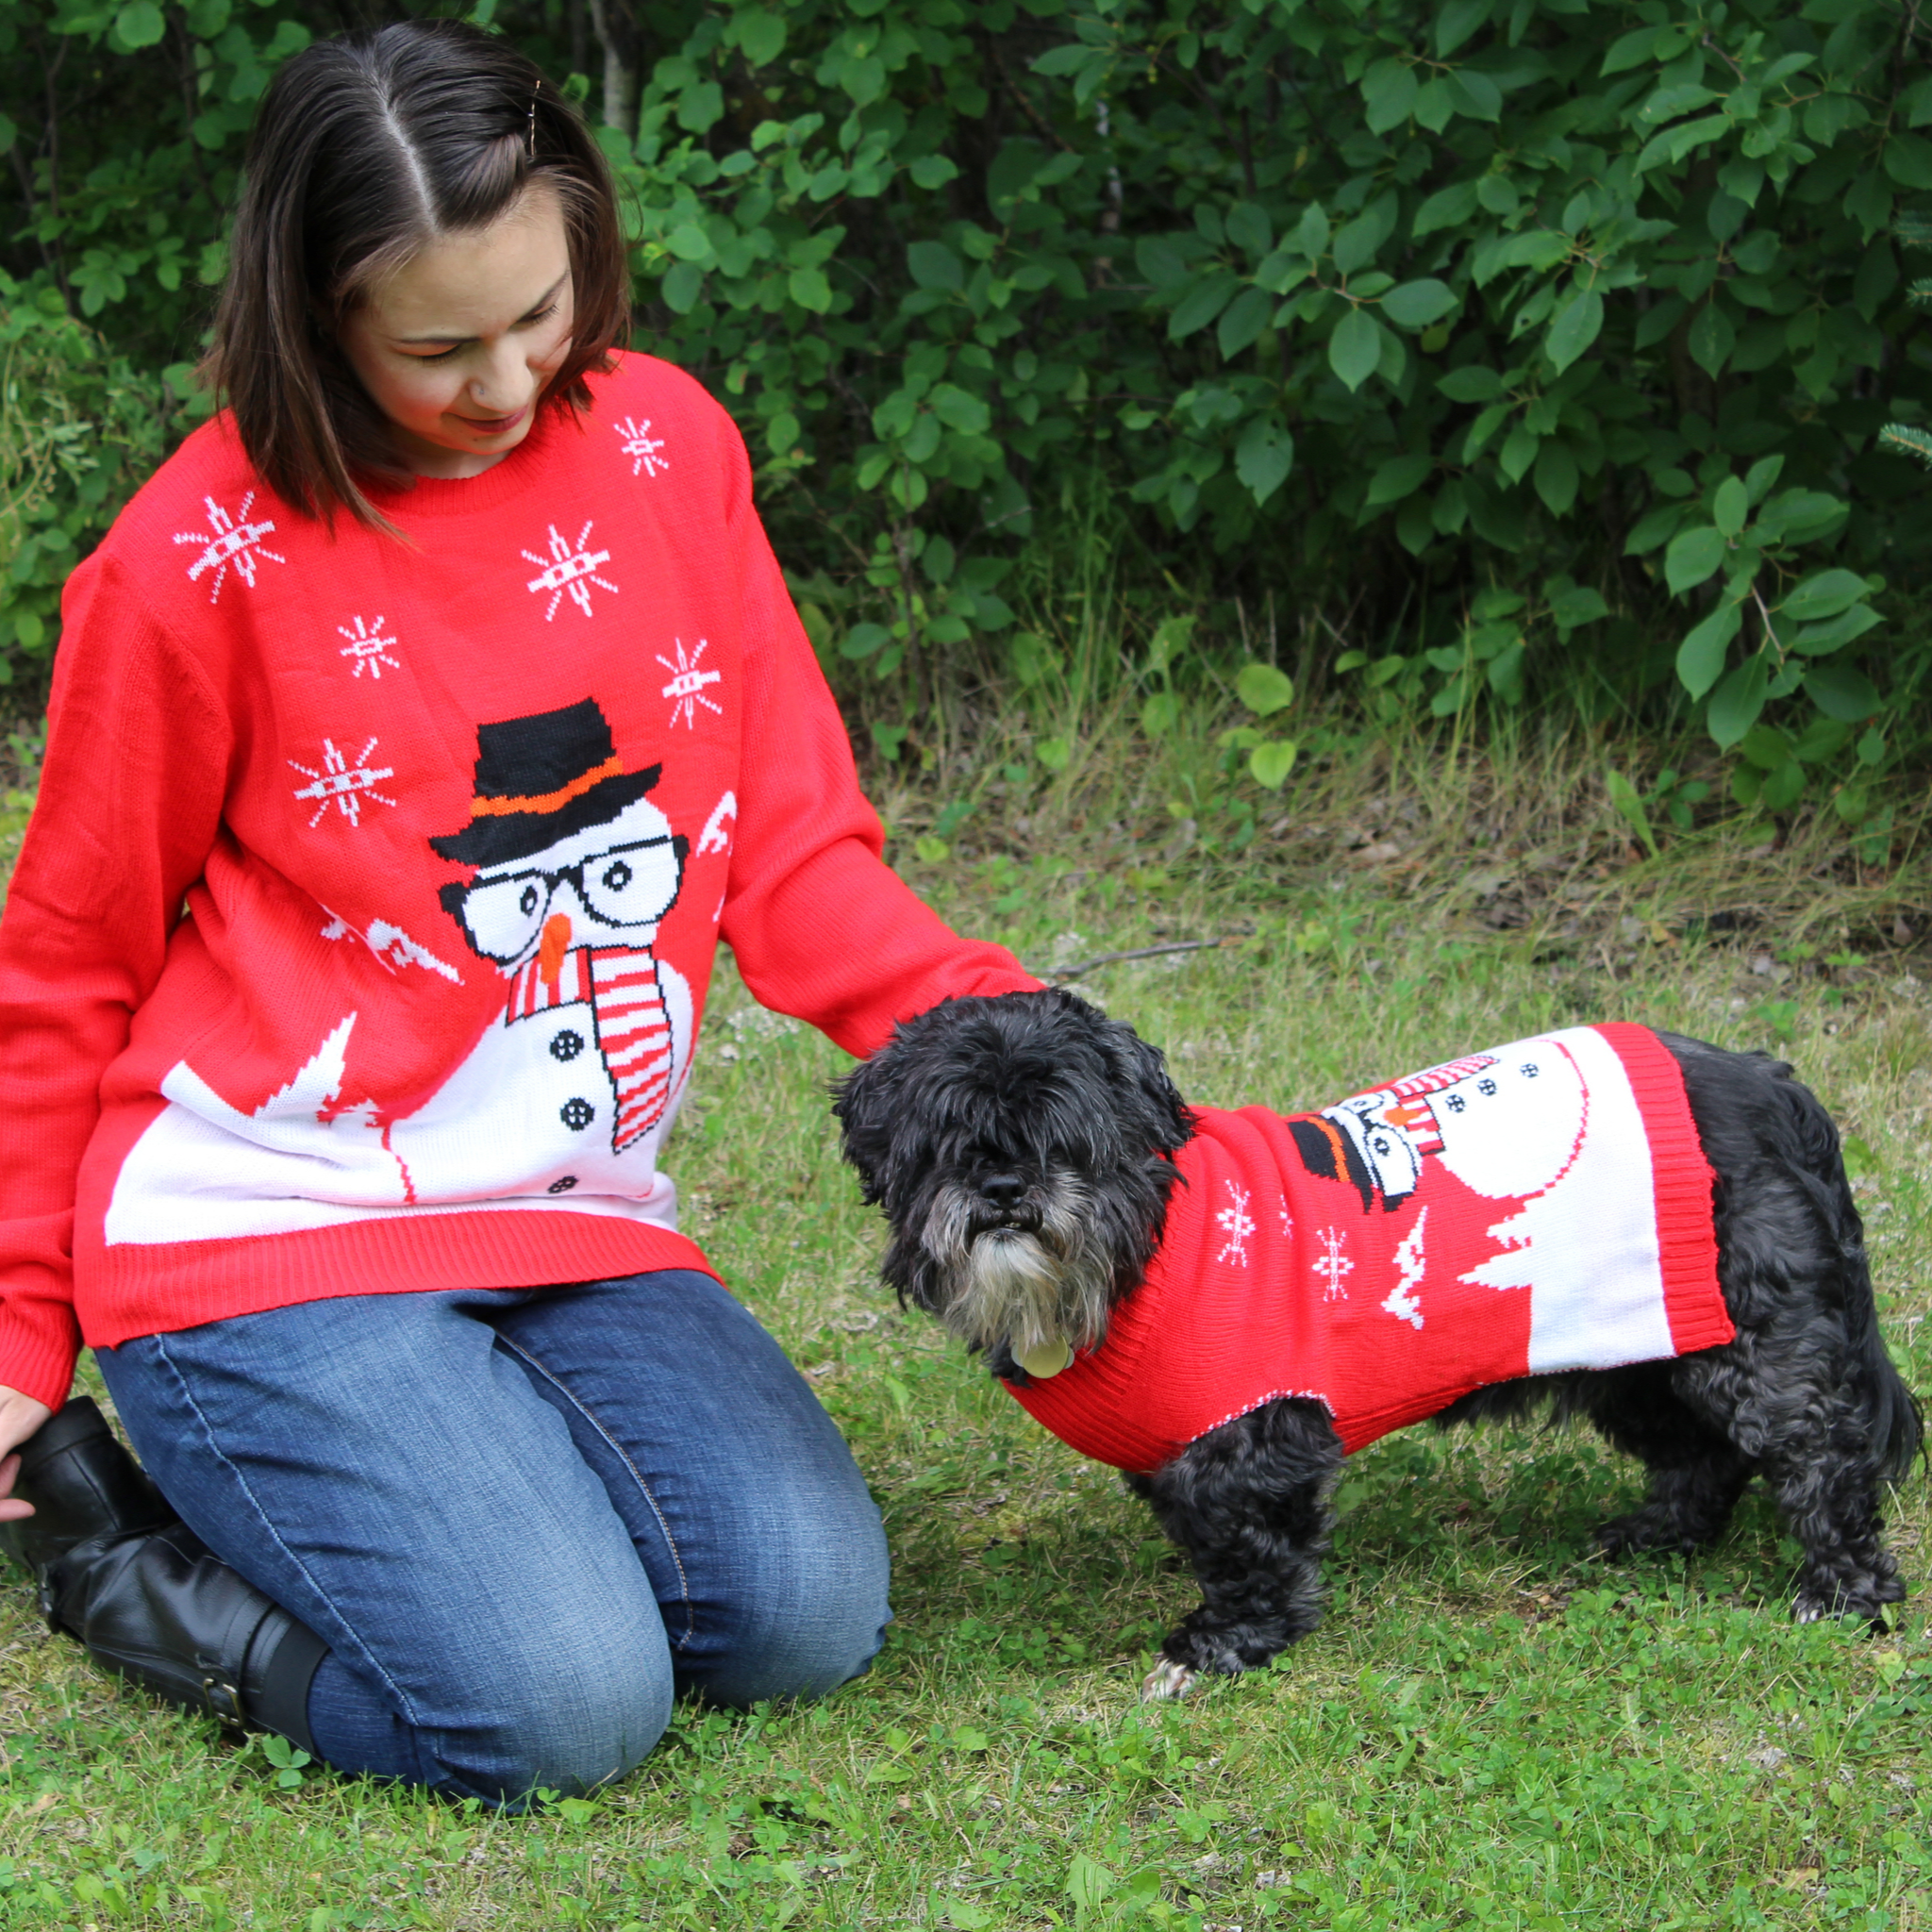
x=439, y=496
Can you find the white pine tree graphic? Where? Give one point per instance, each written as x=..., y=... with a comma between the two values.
x=1402, y=1303
x=229, y=539
x=570, y=570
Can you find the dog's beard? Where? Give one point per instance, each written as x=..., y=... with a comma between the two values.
x=1026, y=1287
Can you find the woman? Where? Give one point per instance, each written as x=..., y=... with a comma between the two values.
x=449, y=680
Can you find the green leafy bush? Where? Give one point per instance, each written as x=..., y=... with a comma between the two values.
x=1412, y=310
x=79, y=430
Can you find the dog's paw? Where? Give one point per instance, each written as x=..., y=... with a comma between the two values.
x=1165, y=1681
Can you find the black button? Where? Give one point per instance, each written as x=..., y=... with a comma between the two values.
x=577, y=1114
x=1485, y=1086
x=1528, y=1069
x=563, y=1186
x=567, y=1045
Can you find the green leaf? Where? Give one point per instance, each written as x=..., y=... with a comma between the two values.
x=689, y=243
x=932, y=171
x=1731, y=506
x=682, y=285
x=1263, y=458
x=1694, y=555
x=139, y=24
x=1556, y=477
x=1471, y=384
x=1823, y=596
x=1396, y=478
x=1737, y=701
x=1389, y=92
x=1578, y=324
x=1243, y=320
x=1356, y=347
x=1821, y=639
x=1271, y=763
x=1624, y=796
x=1264, y=688
x=760, y=36
x=1203, y=302
x=1578, y=605
x=1701, y=656
x=960, y=409
x=933, y=265
x=1415, y=305
x=1447, y=208
x=810, y=290
x=1628, y=50
x=863, y=640
x=1475, y=93
x=1712, y=336
x=1840, y=693
x=1455, y=19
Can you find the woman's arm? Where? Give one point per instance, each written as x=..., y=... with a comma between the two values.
x=130, y=802
x=821, y=927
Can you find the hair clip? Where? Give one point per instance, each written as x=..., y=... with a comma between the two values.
x=530, y=140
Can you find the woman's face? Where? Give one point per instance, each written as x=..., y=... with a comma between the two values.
x=457, y=347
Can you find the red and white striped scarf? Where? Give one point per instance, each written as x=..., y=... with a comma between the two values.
x=620, y=987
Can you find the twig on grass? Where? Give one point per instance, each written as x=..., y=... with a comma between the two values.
x=1087, y=966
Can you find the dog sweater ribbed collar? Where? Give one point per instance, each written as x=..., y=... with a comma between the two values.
x=1538, y=1206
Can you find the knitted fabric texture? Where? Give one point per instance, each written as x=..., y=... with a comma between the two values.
x=458, y=822
x=1539, y=1206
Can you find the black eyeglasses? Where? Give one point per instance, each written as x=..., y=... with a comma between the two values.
x=629, y=885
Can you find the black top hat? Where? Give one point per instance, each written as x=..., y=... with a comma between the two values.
x=537, y=780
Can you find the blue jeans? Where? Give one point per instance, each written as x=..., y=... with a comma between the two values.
x=522, y=1521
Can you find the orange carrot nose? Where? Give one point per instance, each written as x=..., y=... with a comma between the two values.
x=556, y=944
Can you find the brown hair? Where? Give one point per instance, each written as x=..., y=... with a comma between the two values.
x=366, y=148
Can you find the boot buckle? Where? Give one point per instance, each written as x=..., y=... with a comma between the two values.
x=224, y=1701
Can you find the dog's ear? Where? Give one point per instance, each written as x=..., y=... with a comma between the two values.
x=865, y=1106
x=1161, y=1114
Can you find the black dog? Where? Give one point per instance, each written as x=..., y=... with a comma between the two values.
x=1026, y=1152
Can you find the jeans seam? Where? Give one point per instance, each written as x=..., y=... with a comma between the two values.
x=234, y=1470
x=636, y=1475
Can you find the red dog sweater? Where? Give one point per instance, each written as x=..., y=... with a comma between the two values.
x=458, y=822
x=1543, y=1206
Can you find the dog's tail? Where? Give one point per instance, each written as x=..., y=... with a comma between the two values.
x=1896, y=1423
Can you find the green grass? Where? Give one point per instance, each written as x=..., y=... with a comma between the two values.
x=1491, y=1728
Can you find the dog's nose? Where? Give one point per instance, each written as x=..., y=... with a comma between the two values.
x=1003, y=1190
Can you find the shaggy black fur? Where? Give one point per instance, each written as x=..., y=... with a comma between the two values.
x=1035, y=1098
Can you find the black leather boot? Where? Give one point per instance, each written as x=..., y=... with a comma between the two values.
x=160, y=1607
x=117, y=1569
x=83, y=1485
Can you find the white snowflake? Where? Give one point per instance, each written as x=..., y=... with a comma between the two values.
x=638, y=442
x=369, y=648
x=686, y=686
x=570, y=568
x=1408, y=1259
x=342, y=782
x=229, y=539
x=1331, y=1264
x=1287, y=1221
x=1237, y=1223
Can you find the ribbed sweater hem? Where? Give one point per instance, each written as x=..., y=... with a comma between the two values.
x=198, y=1282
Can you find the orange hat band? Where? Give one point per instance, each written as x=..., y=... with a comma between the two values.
x=547, y=801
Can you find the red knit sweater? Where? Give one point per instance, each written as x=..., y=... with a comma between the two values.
x=360, y=939
x=1539, y=1206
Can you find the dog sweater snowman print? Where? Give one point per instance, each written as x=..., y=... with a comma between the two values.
x=1538, y=1206
x=459, y=823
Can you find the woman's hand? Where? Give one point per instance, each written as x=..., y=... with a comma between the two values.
x=20, y=1417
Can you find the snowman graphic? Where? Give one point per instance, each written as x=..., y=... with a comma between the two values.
x=575, y=868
